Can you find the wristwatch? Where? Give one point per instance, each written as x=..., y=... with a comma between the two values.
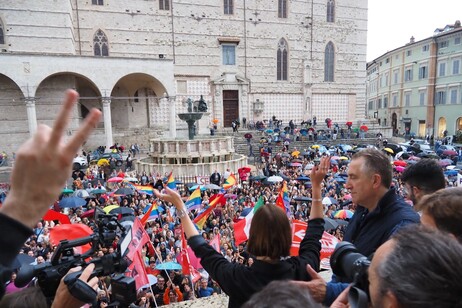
x=180, y=213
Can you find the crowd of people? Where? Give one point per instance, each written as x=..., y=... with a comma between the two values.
x=383, y=202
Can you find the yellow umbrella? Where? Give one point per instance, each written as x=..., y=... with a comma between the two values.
x=315, y=146
x=343, y=158
x=389, y=150
x=103, y=162
x=109, y=208
x=295, y=153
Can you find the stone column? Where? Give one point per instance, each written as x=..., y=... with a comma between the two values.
x=31, y=115
x=172, y=127
x=107, y=121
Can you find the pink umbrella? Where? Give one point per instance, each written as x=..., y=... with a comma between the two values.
x=115, y=179
x=347, y=197
x=295, y=165
x=399, y=168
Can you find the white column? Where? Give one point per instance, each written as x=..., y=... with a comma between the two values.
x=172, y=127
x=107, y=121
x=31, y=115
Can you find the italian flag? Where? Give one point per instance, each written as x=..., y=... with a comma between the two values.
x=242, y=228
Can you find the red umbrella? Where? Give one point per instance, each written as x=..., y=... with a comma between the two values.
x=115, y=179
x=401, y=163
x=88, y=213
x=449, y=153
x=349, y=123
x=244, y=170
x=364, y=128
x=53, y=215
x=248, y=136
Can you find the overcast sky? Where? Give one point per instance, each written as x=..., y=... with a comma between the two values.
x=391, y=23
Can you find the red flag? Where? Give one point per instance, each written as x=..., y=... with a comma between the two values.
x=328, y=241
x=280, y=201
x=137, y=271
x=53, y=215
x=139, y=238
x=195, y=275
x=145, y=218
x=184, y=255
x=215, y=243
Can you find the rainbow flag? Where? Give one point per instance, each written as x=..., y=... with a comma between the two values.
x=283, y=199
x=171, y=181
x=201, y=219
x=230, y=182
x=194, y=200
x=143, y=189
x=151, y=213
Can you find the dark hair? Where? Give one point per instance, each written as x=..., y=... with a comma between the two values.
x=445, y=207
x=423, y=269
x=376, y=162
x=426, y=174
x=270, y=233
x=29, y=297
x=281, y=293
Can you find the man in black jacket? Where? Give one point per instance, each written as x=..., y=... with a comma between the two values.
x=380, y=212
x=215, y=178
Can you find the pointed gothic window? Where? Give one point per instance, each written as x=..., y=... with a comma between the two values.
x=329, y=57
x=100, y=44
x=330, y=10
x=282, y=60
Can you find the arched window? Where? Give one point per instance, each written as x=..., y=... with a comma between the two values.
x=329, y=57
x=2, y=33
x=282, y=8
x=330, y=10
x=100, y=44
x=282, y=60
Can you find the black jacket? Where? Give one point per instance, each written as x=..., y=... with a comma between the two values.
x=14, y=235
x=367, y=231
x=240, y=282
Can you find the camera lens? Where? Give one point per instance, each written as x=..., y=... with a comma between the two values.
x=345, y=260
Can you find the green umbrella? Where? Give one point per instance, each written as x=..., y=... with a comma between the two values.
x=67, y=191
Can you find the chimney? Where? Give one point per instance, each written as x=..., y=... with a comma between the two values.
x=457, y=24
x=412, y=40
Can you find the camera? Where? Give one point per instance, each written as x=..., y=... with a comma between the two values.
x=106, y=228
x=351, y=266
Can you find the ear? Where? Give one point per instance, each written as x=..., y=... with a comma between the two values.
x=376, y=180
x=390, y=300
x=417, y=192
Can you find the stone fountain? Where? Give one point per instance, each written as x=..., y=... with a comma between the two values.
x=196, y=156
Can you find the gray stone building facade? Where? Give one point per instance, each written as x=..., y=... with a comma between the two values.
x=139, y=61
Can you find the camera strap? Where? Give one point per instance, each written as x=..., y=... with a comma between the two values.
x=80, y=289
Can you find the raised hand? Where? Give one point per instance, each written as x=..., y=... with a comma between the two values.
x=318, y=173
x=43, y=164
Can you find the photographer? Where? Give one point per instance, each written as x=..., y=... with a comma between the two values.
x=417, y=268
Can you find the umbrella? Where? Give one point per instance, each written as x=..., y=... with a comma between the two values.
x=230, y=196
x=285, y=155
x=302, y=199
x=342, y=222
x=88, y=213
x=451, y=172
x=98, y=191
x=124, y=191
x=399, y=168
x=336, y=158
x=343, y=158
x=449, y=153
x=315, y=146
x=340, y=179
x=349, y=123
x=330, y=223
x=212, y=186
x=81, y=193
x=263, y=140
x=134, y=180
x=414, y=158
x=169, y=266
x=109, y=208
x=53, y=215
x=326, y=201
x=302, y=178
x=295, y=164
x=122, y=210
x=215, y=121
x=401, y=163
x=248, y=136
x=295, y=153
x=257, y=178
x=333, y=162
x=20, y=260
x=72, y=202
x=269, y=131
x=364, y=128
x=103, y=162
x=244, y=170
x=67, y=191
x=451, y=167
x=152, y=280
x=115, y=179
x=303, y=131
x=347, y=197
x=445, y=162
x=389, y=150
x=275, y=179
x=343, y=214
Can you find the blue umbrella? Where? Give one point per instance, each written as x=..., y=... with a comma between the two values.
x=169, y=266
x=302, y=178
x=72, y=202
x=451, y=172
x=269, y=131
x=340, y=180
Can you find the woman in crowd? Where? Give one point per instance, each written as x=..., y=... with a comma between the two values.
x=269, y=242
